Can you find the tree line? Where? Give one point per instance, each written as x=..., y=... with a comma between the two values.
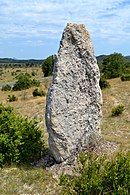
x=111, y=66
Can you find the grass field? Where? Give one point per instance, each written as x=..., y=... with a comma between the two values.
x=7, y=75
x=38, y=181
x=117, y=129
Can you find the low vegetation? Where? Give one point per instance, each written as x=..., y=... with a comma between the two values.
x=35, y=82
x=36, y=92
x=9, y=73
x=20, y=139
x=12, y=98
x=125, y=77
x=6, y=88
x=103, y=83
x=99, y=175
x=24, y=81
x=118, y=110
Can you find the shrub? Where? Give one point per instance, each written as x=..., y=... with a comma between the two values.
x=22, y=75
x=104, y=83
x=38, y=93
x=6, y=88
x=113, y=65
x=117, y=110
x=35, y=83
x=20, y=139
x=98, y=175
x=13, y=73
x=18, y=70
x=1, y=72
x=23, y=82
x=47, y=66
x=33, y=73
x=12, y=98
x=125, y=77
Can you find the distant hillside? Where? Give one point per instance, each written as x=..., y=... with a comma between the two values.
x=34, y=62
x=127, y=57
x=16, y=62
x=100, y=58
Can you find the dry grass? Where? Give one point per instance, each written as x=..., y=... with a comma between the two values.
x=7, y=76
x=16, y=181
x=117, y=129
x=27, y=105
x=26, y=181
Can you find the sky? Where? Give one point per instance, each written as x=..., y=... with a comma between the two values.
x=32, y=29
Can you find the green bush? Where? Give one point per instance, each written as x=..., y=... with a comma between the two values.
x=33, y=73
x=1, y=72
x=20, y=139
x=35, y=83
x=12, y=98
x=104, y=83
x=117, y=110
x=6, y=88
x=38, y=93
x=22, y=75
x=13, y=73
x=23, y=82
x=97, y=175
x=113, y=66
x=47, y=66
x=125, y=77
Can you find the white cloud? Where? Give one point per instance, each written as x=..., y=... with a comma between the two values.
x=37, y=42
x=46, y=18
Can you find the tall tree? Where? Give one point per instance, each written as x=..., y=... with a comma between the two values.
x=113, y=65
x=47, y=66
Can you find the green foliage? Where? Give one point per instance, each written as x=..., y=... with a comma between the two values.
x=1, y=72
x=38, y=93
x=125, y=77
x=23, y=75
x=13, y=73
x=35, y=83
x=118, y=110
x=6, y=88
x=47, y=66
x=113, y=65
x=104, y=83
x=97, y=175
x=33, y=73
x=25, y=82
x=12, y=98
x=47, y=83
x=20, y=139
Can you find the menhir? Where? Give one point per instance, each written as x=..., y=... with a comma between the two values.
x=73, y=108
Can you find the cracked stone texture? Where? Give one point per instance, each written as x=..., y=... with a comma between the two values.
x=73, y=108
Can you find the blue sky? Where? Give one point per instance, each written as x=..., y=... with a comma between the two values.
x=33, y=28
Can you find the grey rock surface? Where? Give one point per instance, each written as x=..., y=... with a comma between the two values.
x=73, y=105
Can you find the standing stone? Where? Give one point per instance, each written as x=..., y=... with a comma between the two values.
x=73, y=109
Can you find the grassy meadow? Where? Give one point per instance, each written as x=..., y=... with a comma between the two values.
x=7, y=75
x=116, y=129
x=38, y=181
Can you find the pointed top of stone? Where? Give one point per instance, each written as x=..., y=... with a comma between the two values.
x=79, y=36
